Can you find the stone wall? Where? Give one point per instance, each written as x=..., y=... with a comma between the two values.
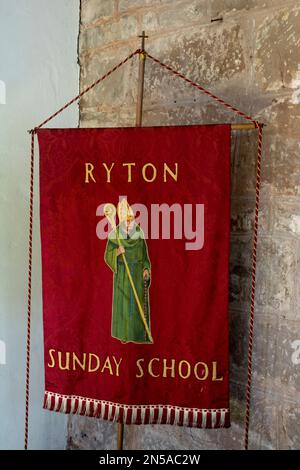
x=251, y=59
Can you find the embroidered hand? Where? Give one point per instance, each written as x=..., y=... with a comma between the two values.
x=120, y=250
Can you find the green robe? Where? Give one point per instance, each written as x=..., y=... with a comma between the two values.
x=127, y=324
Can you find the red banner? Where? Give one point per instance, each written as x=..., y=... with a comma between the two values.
x=135, y=226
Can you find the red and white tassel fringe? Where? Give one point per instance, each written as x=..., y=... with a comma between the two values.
x=138, y=414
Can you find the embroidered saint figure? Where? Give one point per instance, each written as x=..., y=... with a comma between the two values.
x=126, y=254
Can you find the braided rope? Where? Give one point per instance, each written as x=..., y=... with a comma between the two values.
x=258, y=125
x=253, y=277
x=29, y=289
x=203, y=90
x=89, y=88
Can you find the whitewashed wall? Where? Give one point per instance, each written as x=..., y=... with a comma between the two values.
x=38, y=73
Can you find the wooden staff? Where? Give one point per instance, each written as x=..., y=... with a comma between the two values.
x=138, y=123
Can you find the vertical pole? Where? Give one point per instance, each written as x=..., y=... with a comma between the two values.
x=120, y=436
x=140, y=95
x=138, y=123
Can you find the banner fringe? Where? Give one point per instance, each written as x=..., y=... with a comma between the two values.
x=137, y=414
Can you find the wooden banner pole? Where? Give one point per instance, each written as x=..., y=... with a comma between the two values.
x=138, y=123
x=120, y=436
x=140, y=96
